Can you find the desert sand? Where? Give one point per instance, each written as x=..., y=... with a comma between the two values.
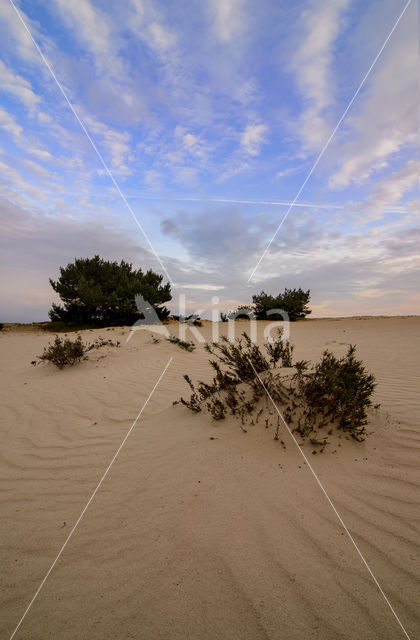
x=199, y=530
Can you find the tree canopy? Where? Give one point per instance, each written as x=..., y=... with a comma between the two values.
x=293, y=301
x=98, y=292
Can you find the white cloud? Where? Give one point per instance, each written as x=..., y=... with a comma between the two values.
x=18, y=86
x=45, y=118
x=95, y=32
x=394, y=186
x=12, y=31
x=42, y=154
x=38, y=169
x=386, y=119
x=153, y=179
x=9, y=124
x=191, y=143
x=162, y=38
x=228, y=18
x=117, y=143
x=253, y=137
x=204, y=287
x=137, y=14
x=186, y=175
x=312, y=64
x=13, y=186
x=27, y=144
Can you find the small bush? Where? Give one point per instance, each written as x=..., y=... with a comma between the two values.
x=335, y=392
x=280, y=351
x=1, y=326
x=240, y=359
x=188, y=346
x=340, y=389
x=64, y=351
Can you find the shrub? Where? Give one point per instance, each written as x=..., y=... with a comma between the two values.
x=335, y=392
x=97, y=292
x=188, y=346
x=1, y=326
x=64, y=351
x=340, y=389
x=293, y=301
x=280, y=351
x=191, y=319
x=243, y=312
x=240, y=360
x=238, y=356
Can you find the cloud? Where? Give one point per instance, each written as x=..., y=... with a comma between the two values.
x=14, y=34
x=390, y=190
x=386, y=116
x=38, y=169
x=95, y=32
x=116, y=143
x=204, y=287
x=163, y=39
x=9, y=124
x=191, y=144
x=18, y=87
x=16, y=131
x=12, y=182
x=334, y=264
x=312, y=65
x=253, y=137
x=228, y=18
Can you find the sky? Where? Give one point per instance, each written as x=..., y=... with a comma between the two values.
x=176, y=135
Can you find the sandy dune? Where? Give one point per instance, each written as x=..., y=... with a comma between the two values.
x=192, y=537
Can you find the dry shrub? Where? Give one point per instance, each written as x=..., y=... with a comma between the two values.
x=335, y=392
x=188, y=346
x=65, y=352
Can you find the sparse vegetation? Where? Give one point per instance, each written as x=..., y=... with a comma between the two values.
x=65, y=352
x=188, y=346
x=335, y=393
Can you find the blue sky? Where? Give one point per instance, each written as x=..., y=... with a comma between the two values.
x=210, y=114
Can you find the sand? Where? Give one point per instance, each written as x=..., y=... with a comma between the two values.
x=199, y=530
